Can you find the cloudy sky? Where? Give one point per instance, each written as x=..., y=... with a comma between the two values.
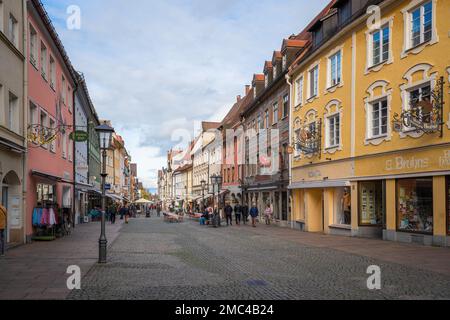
x=157, y=68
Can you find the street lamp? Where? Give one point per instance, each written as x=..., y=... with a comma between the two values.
x=203, y=183
x=216, y=180
x=105, y=133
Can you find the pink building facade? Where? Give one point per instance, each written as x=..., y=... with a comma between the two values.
x=51, y=86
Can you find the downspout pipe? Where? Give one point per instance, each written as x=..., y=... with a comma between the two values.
x=25, y=120
x=75, y=90
x=291, y=113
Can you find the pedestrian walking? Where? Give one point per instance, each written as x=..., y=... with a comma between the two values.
x=268, y=214
x=244, y=210
x=3, y=223
x=229, y=214
x=158, y=210
x=238, y=213
x=112, y=213
x=124, y=212
x=254, y=213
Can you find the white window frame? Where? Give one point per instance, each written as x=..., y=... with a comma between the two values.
x=13, y=30
x=52, y=65
x=44, y=124
x=44, y=60
x=33, y=46
x=370, y=66
x=333, y=109
x=410, y=85
x=283, y=114
x=33, y=114
x=275, y=113
x=378, y=103
x=315, y=66
x=338, y=69
x=64, y=145
x=274, y=70
x=63, y=90
x=408, y=47
x=13, y=112
x=299, y=91
x=284, y=62
x=369, y=100
x=266, y=80
x=267, y=119
x=335, y=142
x=53, y=143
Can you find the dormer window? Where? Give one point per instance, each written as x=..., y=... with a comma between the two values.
x=284, y=64
x=274, y=72
x=266, y=80
x=254, y=92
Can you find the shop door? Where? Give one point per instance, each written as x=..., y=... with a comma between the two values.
x=5, y=204
x=284, y=206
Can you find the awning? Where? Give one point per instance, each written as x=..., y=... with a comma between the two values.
x=46, y=175
x=263, y=188
x=320, y=184
x=11, y=145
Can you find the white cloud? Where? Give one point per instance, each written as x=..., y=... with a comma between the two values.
x=156, y=66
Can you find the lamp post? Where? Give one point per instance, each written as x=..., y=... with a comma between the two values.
x=105, y=134
x=216, y=180
x=203, y=183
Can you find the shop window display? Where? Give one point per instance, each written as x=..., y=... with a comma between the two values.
x=342, y=206
x=415, y=205
x=46, y=193
x=371, y=206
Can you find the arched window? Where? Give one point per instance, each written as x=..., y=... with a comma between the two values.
x=333, y=126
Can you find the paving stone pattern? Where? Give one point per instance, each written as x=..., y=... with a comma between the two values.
x=154, y=260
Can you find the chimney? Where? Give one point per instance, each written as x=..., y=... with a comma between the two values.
x=238, y=98
x=247, y=89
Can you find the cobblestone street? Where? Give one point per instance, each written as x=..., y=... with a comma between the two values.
x=151, y=259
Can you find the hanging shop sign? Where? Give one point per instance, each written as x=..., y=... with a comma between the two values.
x=310, y=138
x=425, y=113
x=79, y=136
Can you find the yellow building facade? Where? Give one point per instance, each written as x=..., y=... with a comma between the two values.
x=370, y=123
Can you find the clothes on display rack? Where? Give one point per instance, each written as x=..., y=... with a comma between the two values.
x=44, y=217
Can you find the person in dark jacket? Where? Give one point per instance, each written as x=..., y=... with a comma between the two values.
x=238, y=213
x=254, y=213
x=112, y=213
x=244, y=210
x=229, y=214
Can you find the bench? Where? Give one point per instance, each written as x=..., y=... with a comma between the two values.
x=172, y=218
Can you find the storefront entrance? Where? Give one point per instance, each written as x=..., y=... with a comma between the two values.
x=12, y=201
x=372, y=208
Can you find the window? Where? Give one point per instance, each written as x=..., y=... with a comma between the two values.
x=33, y=46
x=284, y=62
x=345, y=12
x=297, y=151
x=33, y=117
x=421, y=20
x=260, y=124
x=13, y=112
x=70, y=151
x=52, y=73
x=254, y=92
x=415, y=205
x=64, y=145
x=334, y=134
x=299, y=92
x=420, y=94
x=13, y=30
x=380, y=45
x=285, y=106
x=44, y=61
x=43, y=123
x=53, y=143
x=69, y=99
x=266, y=119
x=371, y=203
x=63, y=90
x=275, y=72
x=2, y=104
x=335, y=66
x=314, y=82
x=266, y=80
x=275, y=112
x=342, y=206
x=1, y=16
x=378, y=119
